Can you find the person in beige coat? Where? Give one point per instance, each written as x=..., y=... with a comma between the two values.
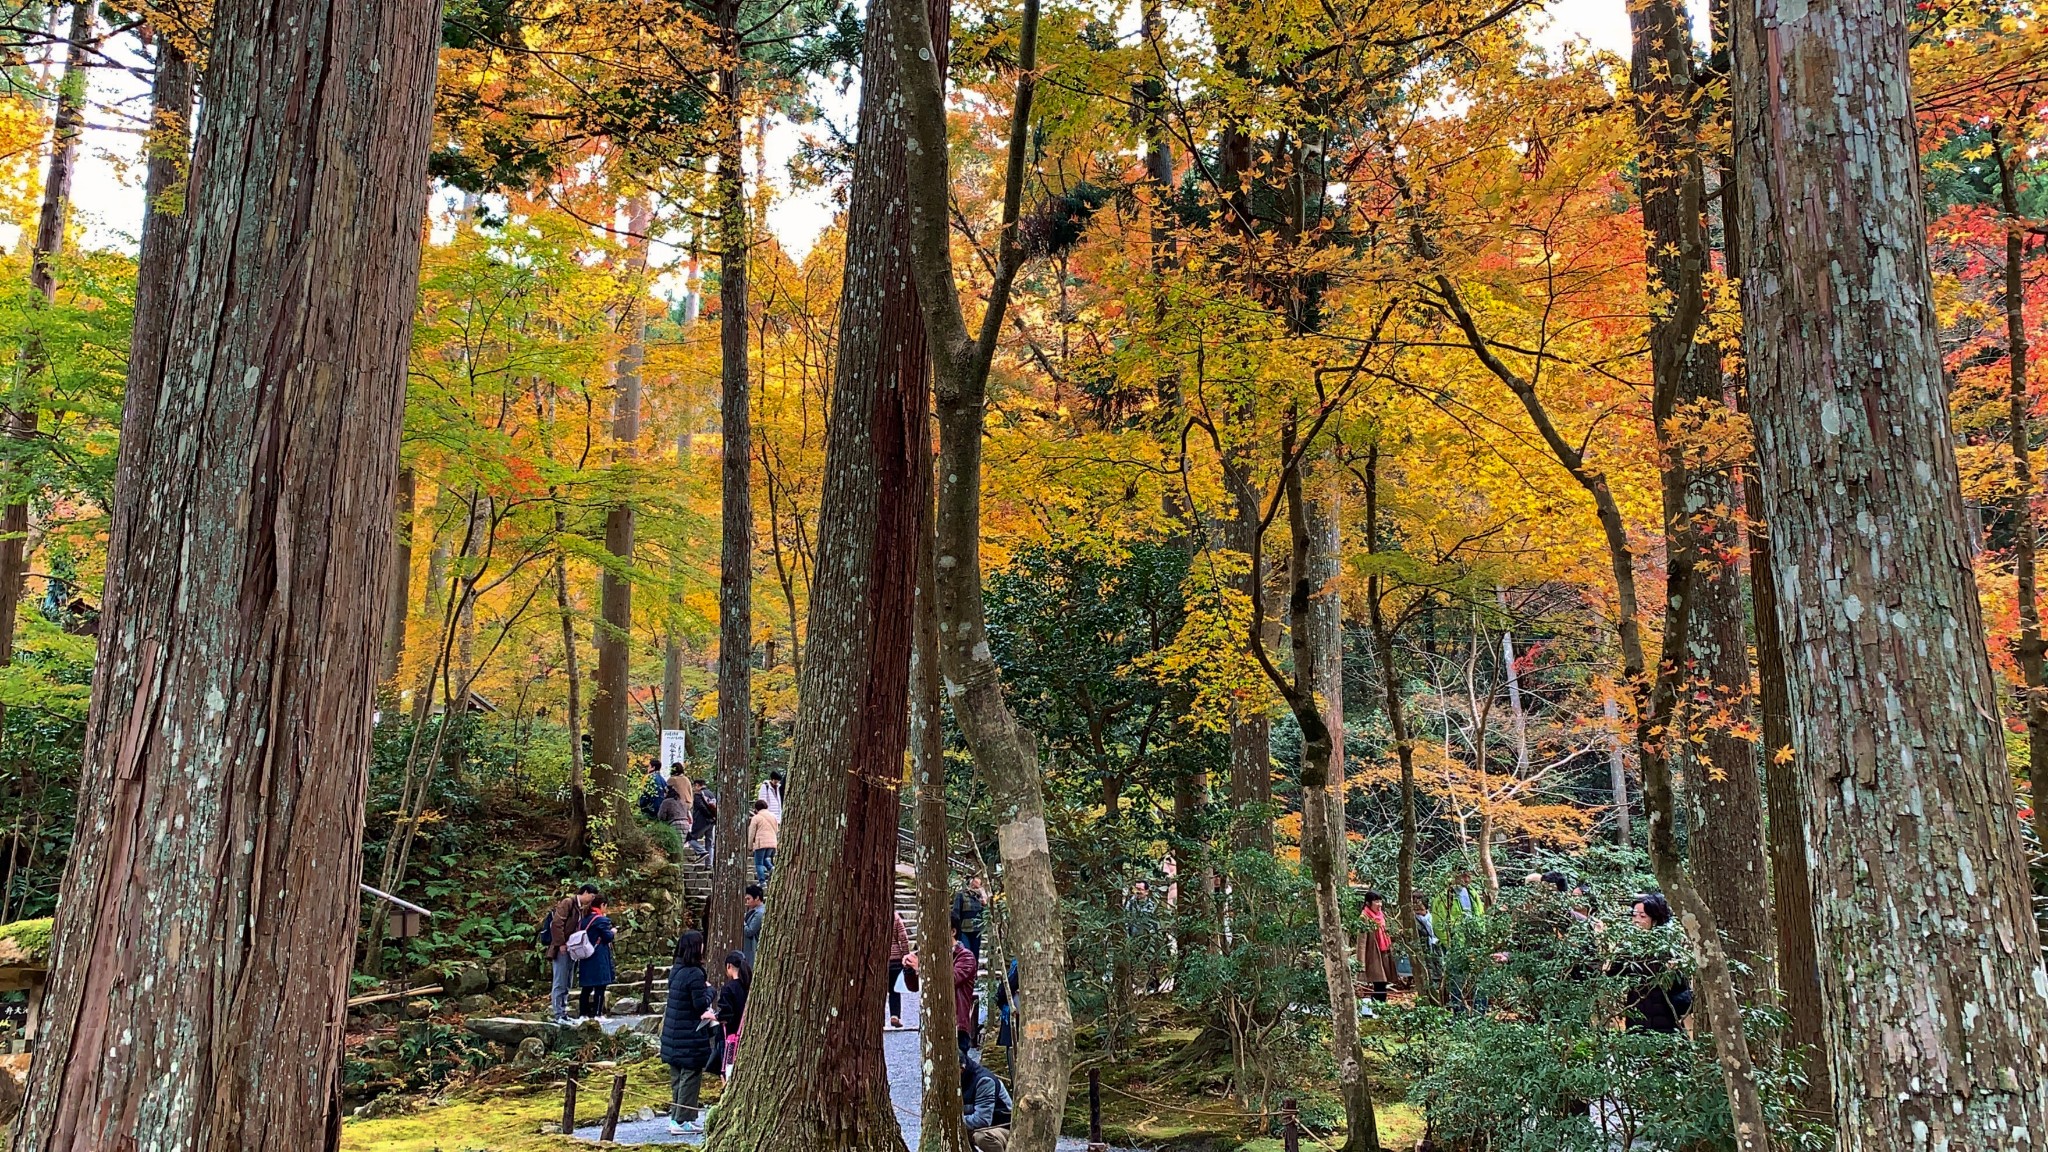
x=762, y=830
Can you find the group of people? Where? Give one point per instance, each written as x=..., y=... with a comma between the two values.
x=701, y=1027
x=578, y=936
x=691, y=808
x=1657, y=999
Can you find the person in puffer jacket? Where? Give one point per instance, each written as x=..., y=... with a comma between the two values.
x=687, y=1034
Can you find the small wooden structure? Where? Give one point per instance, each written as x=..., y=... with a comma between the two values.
x=25, y=967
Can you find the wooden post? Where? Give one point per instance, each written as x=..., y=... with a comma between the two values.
x=569, y=1106
x=1290, y=1125
x=1095, y=1143
x=611, y=1112
x=647, y=990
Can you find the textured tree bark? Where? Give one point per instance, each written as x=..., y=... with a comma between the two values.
x=1313, y=698
x=611, y=769
x=200, y=965
x=1251, y=748
x=67, y=124
x=1725, y=842
x=736, y=537
x=1004, y=752
x=814, y=1077
x=2029, y=649
x=941, y=1063
x=1617, y=773
x=1397, y=707
x=1805, y=1037
x=578, y=840
x=1932, y=976
x=400, y=601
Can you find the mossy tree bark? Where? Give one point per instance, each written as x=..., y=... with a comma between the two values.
x=201, y=962
x=1931, y=972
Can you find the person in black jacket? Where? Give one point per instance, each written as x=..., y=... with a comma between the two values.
x=1660, y=995
x=732, y=995
x=687, y=1039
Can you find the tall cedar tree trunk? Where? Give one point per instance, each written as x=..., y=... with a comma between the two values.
x=2029, y=648
x=201, y=963
x=1798, y=968
x=399, y=604
x=1932, y=978
x=731, y=871
x=1397, y=709
x=21, y=419
x=814, y=1075
x=611, y=762
x=1725, y=841
x=1322, y=853
x=941, y=1056
x=1003, y=751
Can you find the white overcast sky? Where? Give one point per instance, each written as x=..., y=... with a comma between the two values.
x=109, y=183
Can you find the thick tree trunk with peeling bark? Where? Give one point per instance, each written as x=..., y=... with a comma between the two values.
x=201, y=961
x=1003, y=752
x=731, y=867
x=1931, y=970
x=612, y=775
x=813, y=1076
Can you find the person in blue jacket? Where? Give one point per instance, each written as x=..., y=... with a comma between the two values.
x=594, y=973
x=688, y=1034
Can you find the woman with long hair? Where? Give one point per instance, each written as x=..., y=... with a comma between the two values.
x=687, y=1044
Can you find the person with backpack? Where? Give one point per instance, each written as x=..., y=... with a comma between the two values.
x=968, y=908
x=591, y=946
x=703, y=816
x=654, y=791
x=688, y=1034
x=675, y=806
x=986, y=1107
x=1660, y=996
x=555, y=929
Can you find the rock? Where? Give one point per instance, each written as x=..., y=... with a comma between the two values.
x=651, y=1025
x=646, y=1114
x=550, y=1128
x=532, y=1051
x=464, y=979
x=419, y=1009
x=513, y=1029
x=475, y=1005
x=497, y=971
x=626, y=1006
x=390, y=1104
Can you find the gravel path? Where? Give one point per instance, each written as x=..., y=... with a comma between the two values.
x=906, y=1091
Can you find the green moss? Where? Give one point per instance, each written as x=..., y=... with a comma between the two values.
x=507, y=1122
x=33, y=936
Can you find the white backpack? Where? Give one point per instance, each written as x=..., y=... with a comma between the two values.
x=579, y=946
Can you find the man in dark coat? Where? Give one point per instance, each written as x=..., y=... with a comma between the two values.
x=687, y=1034
x=703, y=817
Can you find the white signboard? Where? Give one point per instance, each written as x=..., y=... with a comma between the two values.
x=672, y=752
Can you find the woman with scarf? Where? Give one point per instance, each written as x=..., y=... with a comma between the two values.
x=1375, y=951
